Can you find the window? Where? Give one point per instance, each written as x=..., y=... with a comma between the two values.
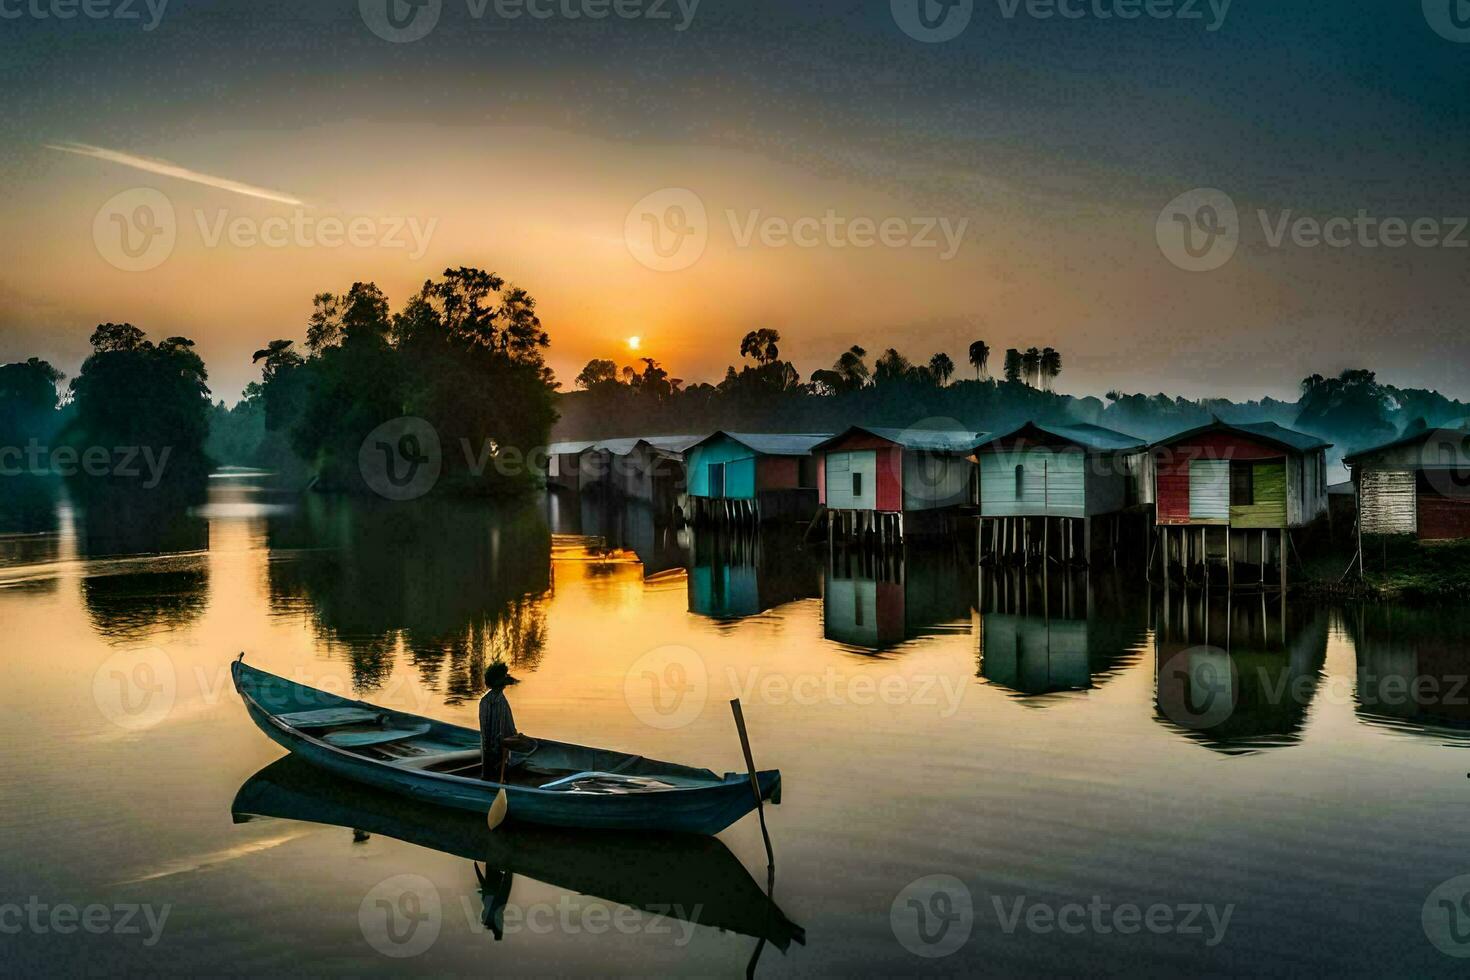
x=1242, y=485
x=857, y=484
x=1020, y=482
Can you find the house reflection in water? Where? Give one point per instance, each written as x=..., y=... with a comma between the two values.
x=1235, y=672
x=878, y=598
x=1063, y=632
x=1413, y=670
x=638, y=526
x=736, y=573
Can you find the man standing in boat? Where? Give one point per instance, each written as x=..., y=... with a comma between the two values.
x=498, y=735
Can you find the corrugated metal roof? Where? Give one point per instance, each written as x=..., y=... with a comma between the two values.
x=564, y=448
x=1417, y=431
x=924, y=440
x=622, y=447
x=773, y=443
x=1271, y=432
x=1095, y=438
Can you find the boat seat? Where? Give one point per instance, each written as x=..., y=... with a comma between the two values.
x=329, y=717
x=375, y=736
x=439, y=758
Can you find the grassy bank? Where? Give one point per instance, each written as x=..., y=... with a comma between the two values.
x=1395, y=568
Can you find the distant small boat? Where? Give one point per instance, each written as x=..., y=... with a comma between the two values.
x=687, y=877
x=557, y=784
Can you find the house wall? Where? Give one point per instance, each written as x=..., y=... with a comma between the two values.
x=1053, y=484
x=1182, y=500
x=777, y=473
x=882, y=484
x=740, y=468
x=1388, y=501
x=1269, y=509
x=933, y=482
x=1443, y=505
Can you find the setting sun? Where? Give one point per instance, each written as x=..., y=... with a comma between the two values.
x=634, y=343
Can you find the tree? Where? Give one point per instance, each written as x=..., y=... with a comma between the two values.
x=852, y=368
x=1014, y=365
x=942, y=368
x=28, y=401
x=1031, y=366
x=597, y=372
x=761, y=345
x=979, y=357
x=891, y=366
x=1051, y=366
x=278, y=357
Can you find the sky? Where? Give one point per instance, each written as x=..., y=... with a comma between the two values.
x=1145, y=194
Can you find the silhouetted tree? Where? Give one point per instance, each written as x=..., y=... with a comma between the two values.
x=980, y=358
x=28, y=401
x=762, y=345
x=597, y=372
x=1014, y=365
x=942, y=368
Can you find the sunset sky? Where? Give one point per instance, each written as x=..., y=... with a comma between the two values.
x=522, y=146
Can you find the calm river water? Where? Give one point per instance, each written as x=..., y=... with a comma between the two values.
x=1020, y=776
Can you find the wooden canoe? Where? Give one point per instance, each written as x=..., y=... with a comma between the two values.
x=684, y=876
x=556, y=784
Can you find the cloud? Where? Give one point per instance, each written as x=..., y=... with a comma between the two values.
x=167, y=169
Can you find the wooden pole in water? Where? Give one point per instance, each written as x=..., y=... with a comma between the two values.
x=755, y=786
x=1281, y=558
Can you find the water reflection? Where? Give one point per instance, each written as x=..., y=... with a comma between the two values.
x=649, y=532
x=30, y=530
x=146, y=561
x=878, y=598
x=695, y=879
x=449, y=585
x=734, y=574
x=1413, y=670
x=1237, y=673
x=1069, y=631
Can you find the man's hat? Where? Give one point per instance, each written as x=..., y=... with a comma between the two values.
x=498, y=675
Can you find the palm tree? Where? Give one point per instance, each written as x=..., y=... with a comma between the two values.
x=1051, y=366
x=1013, y=364
x=942, y=368
x=979, y=357
x=1031, y=366
x=892, y=366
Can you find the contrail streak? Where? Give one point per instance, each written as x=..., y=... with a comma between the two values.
x=167, y=169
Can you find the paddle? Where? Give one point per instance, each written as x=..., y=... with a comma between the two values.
x=755, y=785
x=501, y=806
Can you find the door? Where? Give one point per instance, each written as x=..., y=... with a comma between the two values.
x=717, y=480
x=1209, y=490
